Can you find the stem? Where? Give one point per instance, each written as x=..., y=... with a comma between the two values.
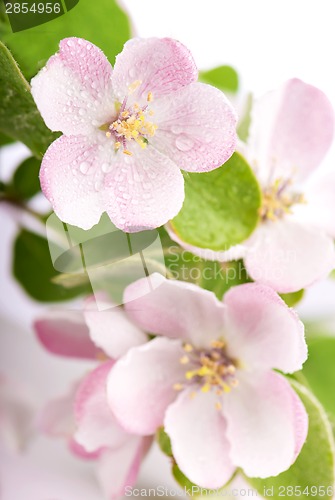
x=20, y=204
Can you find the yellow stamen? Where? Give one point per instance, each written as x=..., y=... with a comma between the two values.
x=188, y=348
x=126, y=152
x=218, y=405
x=108, y=134
x=178, y=387
x=117, y=146
x=150, y=97
x=184, y=360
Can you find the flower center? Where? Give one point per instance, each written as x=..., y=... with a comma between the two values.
x=131, y=123
x=277, y=201
x=211, y=369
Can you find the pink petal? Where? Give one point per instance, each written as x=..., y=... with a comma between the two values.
x=175, y=309
x=113, y=331
x=96, y=425
x=234, y=253
x=162, y=65
x=57, y=418
x=80, y=451
x=198, y=437
x=144, y=190
x=291, y=131
x=262, y=331
x=320, y=207
x=289, y=255
x=65, y=333
x=73, y=194
x=140, y=385
x=196, y=127
x=73, y=92
x=119, y=468
x=266, y=425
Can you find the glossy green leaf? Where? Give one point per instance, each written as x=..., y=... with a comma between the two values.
x=313, y=471
x=103, y=23
x=4, y=139
x=25, y=183
x=19, y=116
x=33, y=269
x=224, y=78
x=293, y=298
x=221, y=207
x=319, y=370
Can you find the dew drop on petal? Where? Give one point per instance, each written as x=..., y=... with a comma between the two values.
x=184, y=143
x=105, y=167
x=82, y=111
x=83, y=167
x=176, y=129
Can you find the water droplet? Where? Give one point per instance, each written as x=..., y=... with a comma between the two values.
x=93, y=85
x=126, y=196
x=176, y=129
x=88, y=46
x=82, y=111
x=106, y=167
x=98, y=185
x=83, y=167
x=132, y=72
x=184, y=143
x=70, y=43
x=84, y=94
x=69, y=92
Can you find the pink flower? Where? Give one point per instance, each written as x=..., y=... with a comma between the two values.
x=83, y=416
x=210, y=383
x=292, y=247
x=85, y=420
x=128, y=131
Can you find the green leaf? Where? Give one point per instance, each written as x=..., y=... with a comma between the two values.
x=224, y=78
x=293, y=298
x=164, y=441
x=19, y=116
x=25, y=183
x=33, y=269
x=103, y=23
x=319, y=371
x=221, y=207
x=4, y=140
x=313, y=470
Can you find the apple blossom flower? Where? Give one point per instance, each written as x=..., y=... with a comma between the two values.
x=292, y=247
x=85, y=420
x=128, y=131
x=209, y=379
x=83, y=416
